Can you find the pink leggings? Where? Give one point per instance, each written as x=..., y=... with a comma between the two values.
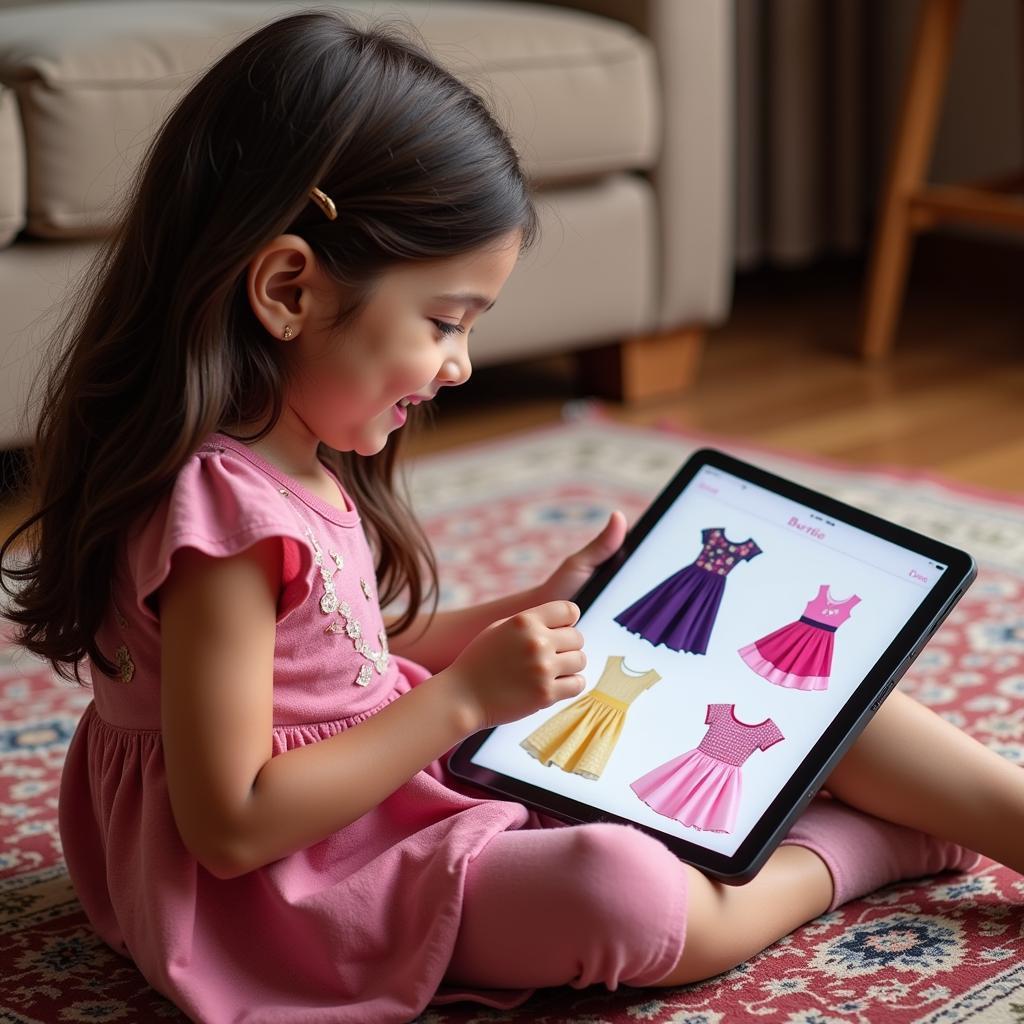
x=570, y=906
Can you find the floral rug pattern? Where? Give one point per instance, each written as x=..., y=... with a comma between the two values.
x=942, y=951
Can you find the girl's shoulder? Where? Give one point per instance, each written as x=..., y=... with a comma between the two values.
x=222, y=502
x=219, y=495
x=246, y=467
x=226, y=487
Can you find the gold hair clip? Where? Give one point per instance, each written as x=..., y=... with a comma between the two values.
x=324, y=201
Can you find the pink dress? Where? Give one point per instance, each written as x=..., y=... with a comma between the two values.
x=799, y=655
x=701, y=788
x=359, y=927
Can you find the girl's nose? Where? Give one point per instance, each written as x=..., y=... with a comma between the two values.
x=455, y=370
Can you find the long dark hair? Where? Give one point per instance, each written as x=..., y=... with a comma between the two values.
x=159, y=346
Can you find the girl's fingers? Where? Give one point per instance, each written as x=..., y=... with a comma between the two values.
x=569, y=686
x=557, y=613
x=566, y=638
x=569, y=663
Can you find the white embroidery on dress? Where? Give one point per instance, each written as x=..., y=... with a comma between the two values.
x=379, y=658
x=350, y=625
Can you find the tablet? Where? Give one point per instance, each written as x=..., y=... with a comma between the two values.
x=738, y=642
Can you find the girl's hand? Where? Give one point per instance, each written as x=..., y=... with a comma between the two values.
x=519, y=665
x=578, y=568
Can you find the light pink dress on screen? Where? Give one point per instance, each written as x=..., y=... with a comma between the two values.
x=701, y=788
x=359, y=927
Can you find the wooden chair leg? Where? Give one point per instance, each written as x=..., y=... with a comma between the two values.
x=912, y=148
x=645, y=367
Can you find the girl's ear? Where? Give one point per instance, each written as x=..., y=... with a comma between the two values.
x=279, y=285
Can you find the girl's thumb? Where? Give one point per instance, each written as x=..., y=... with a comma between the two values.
x=609, y=540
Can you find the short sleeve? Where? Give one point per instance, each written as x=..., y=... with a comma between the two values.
x=753, y=552
x=219, y=505
x=715, y=712
x=769, y=735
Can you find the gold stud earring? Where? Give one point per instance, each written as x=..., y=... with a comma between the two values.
x=287, y=332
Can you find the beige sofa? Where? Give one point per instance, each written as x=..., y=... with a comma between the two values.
x=623, y=116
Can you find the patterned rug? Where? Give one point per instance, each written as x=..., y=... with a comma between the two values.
x=500, y=515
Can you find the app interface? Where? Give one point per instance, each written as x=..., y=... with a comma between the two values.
x=716, y=658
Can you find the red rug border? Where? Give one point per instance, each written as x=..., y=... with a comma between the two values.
x=594, y=411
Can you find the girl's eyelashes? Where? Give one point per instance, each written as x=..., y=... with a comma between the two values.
x=446, y=328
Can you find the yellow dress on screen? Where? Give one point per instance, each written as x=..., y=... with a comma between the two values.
x=581, y=737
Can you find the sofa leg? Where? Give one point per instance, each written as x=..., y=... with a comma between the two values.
x=643, y=367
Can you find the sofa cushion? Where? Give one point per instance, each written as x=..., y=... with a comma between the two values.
x=12, y=168
x=94, y=80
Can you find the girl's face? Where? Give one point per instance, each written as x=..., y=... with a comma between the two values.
x=350, y=389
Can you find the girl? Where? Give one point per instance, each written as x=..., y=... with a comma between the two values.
x=255, y=806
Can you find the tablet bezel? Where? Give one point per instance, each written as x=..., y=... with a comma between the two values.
x=814, y=769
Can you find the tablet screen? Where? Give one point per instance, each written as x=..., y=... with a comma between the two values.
x=717, y=656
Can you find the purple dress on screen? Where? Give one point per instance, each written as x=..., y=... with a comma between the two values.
x=680, y=612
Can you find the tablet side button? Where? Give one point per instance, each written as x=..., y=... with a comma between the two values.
x=879, y=700
x=891, y=685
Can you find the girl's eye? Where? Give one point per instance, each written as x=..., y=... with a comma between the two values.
x=446, y=328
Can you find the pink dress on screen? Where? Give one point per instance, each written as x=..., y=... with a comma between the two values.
x=701, y=788
x=359, y=927
x=799, y=655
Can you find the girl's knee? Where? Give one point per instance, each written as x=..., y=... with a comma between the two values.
x=579, y=905
x=635, y=896
x=624, y=873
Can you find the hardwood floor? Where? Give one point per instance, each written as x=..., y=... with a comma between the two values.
x=782, y=372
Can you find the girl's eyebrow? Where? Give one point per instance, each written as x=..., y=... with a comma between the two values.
x=480, y=302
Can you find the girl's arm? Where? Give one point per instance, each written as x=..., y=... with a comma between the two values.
x=236, y=806
x=436, y=643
